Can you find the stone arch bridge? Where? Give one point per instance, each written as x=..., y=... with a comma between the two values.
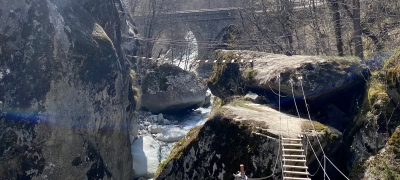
x=207, y=25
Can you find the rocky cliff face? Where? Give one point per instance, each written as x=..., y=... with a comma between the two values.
x=385, y=164
x=372, y=126
x=64, y=90
x=373, y=133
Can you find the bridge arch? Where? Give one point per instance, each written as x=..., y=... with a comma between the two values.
x=176, y=41
x=206, y=25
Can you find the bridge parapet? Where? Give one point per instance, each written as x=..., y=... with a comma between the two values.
x=195, y=15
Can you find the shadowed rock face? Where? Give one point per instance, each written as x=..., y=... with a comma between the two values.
x=64, y=89
x=169, y=89
x=383, y=165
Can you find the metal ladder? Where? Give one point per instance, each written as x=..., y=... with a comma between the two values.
x=293, y=160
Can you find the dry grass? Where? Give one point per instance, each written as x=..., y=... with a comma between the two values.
x=307, y=126
x=242, y=103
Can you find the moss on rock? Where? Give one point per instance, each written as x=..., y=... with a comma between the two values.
x=307, y=126
x=392, y=76
x=226, y=79
x=384, y=165
x=393, y=70
x=392, y=61
x=377, y=103
x=394, y=141
x=376, y=120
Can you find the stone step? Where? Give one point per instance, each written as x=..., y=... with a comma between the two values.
x=295, y=156
x=294, y=160
x=296, y=178
x=296, y=172
x=295, y=167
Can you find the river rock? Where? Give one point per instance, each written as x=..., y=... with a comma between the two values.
x=155, y=129
x=147, y=123
x=160, y=117
x=207, y=100
x=171, y=134
x=170, y=89
x=166, y=122
x=64, y=88
x=153, y=119
x=141, y=127
x=253, y=97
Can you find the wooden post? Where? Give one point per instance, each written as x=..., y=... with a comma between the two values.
x=242, y=170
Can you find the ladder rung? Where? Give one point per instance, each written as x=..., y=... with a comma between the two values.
x=295, y=167
x=291, y=139
x=292, y=144
x=294, y=160
x=296, y=178
x=296, y=172
x=294, y=150
x=291, y=155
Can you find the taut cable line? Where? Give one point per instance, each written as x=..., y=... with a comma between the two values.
x=319, y=143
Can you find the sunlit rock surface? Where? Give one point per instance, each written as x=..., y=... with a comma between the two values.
x=64, y=87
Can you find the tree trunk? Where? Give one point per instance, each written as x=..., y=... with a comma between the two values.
x=357, y=29
x=315, y=25
x=148, y=45
x=334, y=6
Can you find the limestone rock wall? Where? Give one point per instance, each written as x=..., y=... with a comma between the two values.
x=64, y=87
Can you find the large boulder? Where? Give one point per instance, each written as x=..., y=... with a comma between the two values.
x=324, y=79
x=241, y=133
x=64, y=90
x=170, y=89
